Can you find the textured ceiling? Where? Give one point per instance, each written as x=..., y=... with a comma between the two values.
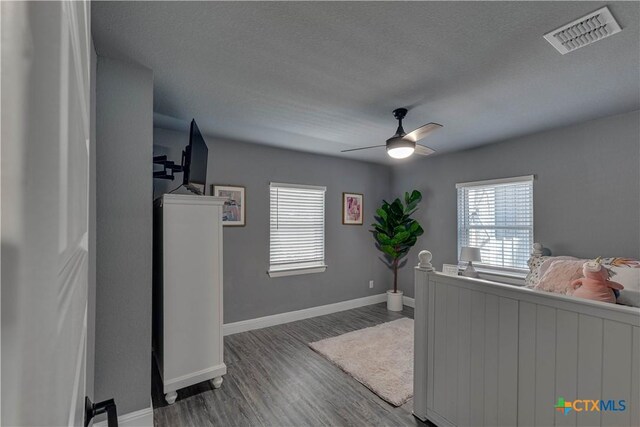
x=323, y=77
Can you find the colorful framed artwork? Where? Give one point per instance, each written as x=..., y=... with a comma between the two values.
x=352, y=208
x=234, y=210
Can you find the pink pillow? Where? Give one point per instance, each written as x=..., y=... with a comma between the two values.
x=546, y=264
x=558, y=276
x=537, y=267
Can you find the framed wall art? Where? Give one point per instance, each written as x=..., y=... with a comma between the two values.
x=234, y=210
x=352, y=208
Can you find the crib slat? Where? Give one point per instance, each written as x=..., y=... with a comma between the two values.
x=545, y=365
x=616, y=369
x=476, y=386
x=491, y=360
x=526, y=364
x=566, y=367
x=634, y=405
x=464, y=356
x=440, y=350
x=589, y=365
x=452, y=354
x=508, y=363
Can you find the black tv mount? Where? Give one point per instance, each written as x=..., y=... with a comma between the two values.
x=169, y=167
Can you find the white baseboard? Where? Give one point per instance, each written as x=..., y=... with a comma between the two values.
x=141, y=418
x=408, y=301
x=292, y=316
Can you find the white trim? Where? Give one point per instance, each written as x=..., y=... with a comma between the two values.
x=503, y=276
x=296, y=271
x=501, y=271
x=186, y=199
x=524, y=178
x=175, y=384
x=81, y=367
x=305, y=186
x=408, y=301
x=292, y=316
x=141, y=418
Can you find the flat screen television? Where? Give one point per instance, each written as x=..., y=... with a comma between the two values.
x=195, y=162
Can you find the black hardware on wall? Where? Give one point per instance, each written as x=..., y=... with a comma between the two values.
x=92, y=409
x=168, y=167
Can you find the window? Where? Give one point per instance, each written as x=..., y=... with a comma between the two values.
x=497, y=217
x=297, y=229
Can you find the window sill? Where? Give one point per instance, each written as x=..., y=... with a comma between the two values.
x=296, y=271
x=510, y=277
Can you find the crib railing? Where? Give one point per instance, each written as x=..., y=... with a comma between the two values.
x=491, y=354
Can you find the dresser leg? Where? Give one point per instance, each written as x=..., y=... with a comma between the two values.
x=216, y=382
x=171, y=397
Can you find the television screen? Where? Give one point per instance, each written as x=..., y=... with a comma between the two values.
x=195, y=162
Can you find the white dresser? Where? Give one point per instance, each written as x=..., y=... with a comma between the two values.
x=187, y=306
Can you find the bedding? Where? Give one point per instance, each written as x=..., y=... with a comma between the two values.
x=534, y=263
x=555, y=273
x=630, y=279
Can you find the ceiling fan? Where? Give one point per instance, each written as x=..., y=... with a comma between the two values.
x=402, y=144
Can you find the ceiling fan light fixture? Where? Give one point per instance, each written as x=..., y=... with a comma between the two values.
x=402, y=144
x=400, y=148
x=400, y=152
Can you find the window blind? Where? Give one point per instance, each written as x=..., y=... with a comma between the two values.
x=497, y=217
x=297, y=226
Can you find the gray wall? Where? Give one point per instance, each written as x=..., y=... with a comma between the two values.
x=124, y=140
x=350, y=254
x=586, y=191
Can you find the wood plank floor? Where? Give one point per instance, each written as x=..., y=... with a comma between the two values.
x=275, y=379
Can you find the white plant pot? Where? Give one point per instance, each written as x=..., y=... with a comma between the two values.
x=394, y=301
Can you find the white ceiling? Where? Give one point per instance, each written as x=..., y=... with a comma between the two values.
x=322, y=77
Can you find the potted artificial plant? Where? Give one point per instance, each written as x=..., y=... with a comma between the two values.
x=395, y=233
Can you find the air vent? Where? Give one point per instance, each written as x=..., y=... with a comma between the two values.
x=584, y=31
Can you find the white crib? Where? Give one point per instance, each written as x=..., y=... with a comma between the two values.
x=490, y=354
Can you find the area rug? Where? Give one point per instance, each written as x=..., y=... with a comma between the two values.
x=380, y=357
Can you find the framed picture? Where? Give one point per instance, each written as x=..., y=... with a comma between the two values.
x=352, y=208
x=233, y=212
x=450, y=269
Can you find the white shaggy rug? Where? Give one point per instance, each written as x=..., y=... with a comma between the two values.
x=380, y=357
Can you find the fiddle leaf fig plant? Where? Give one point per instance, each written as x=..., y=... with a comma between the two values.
x=395, y=232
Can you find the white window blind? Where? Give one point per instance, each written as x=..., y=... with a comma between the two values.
x=497, y=217
x=297, y=227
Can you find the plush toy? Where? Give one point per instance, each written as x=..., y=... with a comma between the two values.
x=595, y=284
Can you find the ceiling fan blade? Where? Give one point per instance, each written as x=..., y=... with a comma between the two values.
x=422, y=131
x=362, y=148
x=421, y=150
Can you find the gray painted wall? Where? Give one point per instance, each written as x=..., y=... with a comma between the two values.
x=124, y=140
x=350, y=254
x=586, y=192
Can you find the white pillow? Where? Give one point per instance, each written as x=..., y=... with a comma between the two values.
x=630, y=279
